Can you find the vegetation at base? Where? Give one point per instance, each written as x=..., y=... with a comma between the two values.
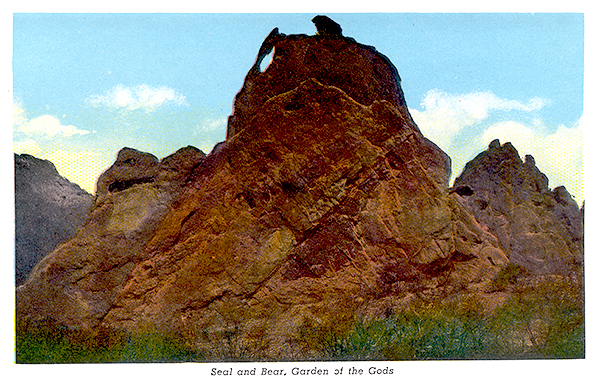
x=541, y=322
x=539, y=319
x=43, y=342
x=508, y=275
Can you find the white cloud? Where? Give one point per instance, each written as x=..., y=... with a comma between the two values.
x=138, y=97
x=444, y=118
x=213, y=125
x=49, y=126
x=559, y=155
x=445, y=115
x=18, y=115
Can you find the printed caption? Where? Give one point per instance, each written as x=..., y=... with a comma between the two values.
x=300, y=371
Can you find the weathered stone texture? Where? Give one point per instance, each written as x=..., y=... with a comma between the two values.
x=539, y=228
x=79, y=281
x=48, y=211
x=359, y=70
x=324, y=198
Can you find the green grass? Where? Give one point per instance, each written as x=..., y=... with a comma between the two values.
x=541, y=322
x=40, y=343
x=542, y=319
x=417, y=334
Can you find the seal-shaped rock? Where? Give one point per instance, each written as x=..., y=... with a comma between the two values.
x=326, y=26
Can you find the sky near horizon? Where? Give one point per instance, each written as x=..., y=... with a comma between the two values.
x=87, y=85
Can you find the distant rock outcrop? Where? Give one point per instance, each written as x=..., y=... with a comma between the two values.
x=325, y=197
x=48, y=211
x=540, y=229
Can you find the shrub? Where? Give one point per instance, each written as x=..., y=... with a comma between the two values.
x=508, y=275
x=540, y=321
x=45, y=342
x=418, y=333
x=550, y=313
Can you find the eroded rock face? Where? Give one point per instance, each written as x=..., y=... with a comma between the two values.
x=364, y=74
x=325, y=197
x=132, y=167
x=79, y=282
x=49, y=209
x=540, y=229
x=307, y=210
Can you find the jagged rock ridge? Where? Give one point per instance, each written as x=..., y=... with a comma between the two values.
x=48, y=211
x=539, y=228
x=325, y=197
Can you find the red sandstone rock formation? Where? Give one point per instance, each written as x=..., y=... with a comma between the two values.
x=325, y=197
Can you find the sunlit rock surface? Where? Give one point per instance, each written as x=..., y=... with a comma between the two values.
x=324, y=198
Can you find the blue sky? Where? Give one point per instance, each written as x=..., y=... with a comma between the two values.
x=86, y=85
